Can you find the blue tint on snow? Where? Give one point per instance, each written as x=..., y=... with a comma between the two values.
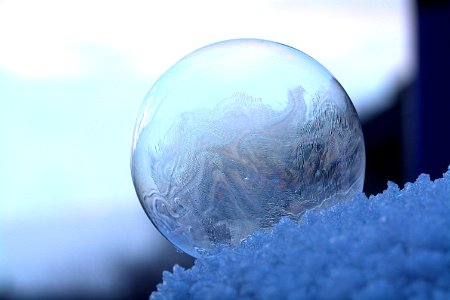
x=394, y=245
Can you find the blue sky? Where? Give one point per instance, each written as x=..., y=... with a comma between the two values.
x=74, y=73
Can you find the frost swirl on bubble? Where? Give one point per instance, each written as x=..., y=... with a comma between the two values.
x=243, y=166
x=237, y=135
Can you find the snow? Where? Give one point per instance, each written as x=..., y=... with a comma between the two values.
x=392, y=245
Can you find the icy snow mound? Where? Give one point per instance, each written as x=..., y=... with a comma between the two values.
x=394, y=245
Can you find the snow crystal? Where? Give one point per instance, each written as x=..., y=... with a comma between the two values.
x=393, y=245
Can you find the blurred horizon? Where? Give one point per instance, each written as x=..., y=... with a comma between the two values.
x=73, y=75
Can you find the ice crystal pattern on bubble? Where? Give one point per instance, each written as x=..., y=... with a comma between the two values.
x=218, y=174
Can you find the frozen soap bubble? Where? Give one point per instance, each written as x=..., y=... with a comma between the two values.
x=237, y=135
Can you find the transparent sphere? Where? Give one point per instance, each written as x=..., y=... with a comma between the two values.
x=237, y=135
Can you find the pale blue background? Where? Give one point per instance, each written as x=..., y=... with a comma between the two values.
x=72, y=77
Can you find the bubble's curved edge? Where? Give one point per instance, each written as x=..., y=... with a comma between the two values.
x=144, y=104
x=141, y=121
x=137, y=128
x=143, y=107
